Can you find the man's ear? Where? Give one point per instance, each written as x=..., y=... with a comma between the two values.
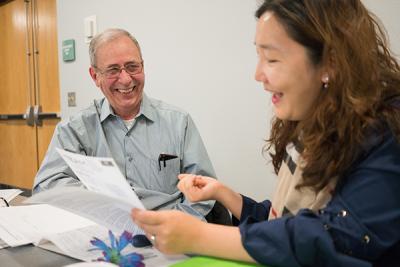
x=94, y=76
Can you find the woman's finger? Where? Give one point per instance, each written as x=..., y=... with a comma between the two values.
x=184, y=175
x=147, y=217
x=199, y=182
x=185, y=183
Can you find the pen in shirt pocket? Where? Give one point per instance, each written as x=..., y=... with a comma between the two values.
x=164, y=157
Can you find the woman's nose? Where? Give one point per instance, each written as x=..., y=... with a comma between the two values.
x=259, y=75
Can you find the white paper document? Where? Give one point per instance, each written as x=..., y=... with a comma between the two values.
x=77, y=244
x=20, y=225
x=64, y=219
x=9, y=194
x=113, y=213
x=66, y=233
x=101, y=175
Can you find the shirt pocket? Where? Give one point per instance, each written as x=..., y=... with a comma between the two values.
x=156, y=177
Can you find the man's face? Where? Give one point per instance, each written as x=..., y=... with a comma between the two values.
x=124, y=92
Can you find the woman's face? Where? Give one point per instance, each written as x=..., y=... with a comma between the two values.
x=286, y=70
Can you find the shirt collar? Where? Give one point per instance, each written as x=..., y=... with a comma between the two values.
x=146, y=109
x=106, y=110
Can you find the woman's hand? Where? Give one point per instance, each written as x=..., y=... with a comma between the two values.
x=175, y=232
x=198, y=188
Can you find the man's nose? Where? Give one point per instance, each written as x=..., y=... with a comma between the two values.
x=124, y=77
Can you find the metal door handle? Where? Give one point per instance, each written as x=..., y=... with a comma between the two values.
x=12, y=117
x=38, y=115
x=28, y=116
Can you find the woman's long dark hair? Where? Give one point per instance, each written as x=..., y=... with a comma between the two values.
x=363, y=88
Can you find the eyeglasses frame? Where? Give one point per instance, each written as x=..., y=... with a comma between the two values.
x=104, y=72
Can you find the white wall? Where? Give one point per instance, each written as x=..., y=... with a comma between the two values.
x=388, y=13
x=199, y=55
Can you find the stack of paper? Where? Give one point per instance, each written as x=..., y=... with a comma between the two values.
x=63, y=232
x=65, y=219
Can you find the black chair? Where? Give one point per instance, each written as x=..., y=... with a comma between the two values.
x=219, y=215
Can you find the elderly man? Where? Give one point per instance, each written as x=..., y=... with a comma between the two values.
x=151, y=141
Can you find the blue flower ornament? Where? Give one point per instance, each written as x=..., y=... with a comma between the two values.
x=113, y=253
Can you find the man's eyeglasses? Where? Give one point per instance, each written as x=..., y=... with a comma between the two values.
x=131, y=68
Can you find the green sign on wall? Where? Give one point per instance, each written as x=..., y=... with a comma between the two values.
x=68, y=50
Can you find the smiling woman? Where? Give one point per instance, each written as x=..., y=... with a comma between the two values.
x=285, y=70
x=334, y=143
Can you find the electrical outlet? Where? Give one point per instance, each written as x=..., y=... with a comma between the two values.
x=71, y=99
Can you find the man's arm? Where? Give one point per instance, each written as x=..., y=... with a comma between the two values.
x=53, y=170
x=195, y=160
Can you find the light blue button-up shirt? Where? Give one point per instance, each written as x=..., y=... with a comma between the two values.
x=158, y=128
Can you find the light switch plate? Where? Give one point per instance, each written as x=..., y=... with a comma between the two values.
x=71, y=99
x=90, y=28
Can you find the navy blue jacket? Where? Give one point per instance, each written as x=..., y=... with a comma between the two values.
x=359, y=227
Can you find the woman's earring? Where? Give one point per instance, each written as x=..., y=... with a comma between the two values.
x=325, y=82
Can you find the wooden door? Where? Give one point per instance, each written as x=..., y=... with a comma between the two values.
x=29, y=77
x=48, y=88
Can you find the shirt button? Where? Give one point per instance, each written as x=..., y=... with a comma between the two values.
x=130, y=159
x=366, y=239
x=342, y=213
